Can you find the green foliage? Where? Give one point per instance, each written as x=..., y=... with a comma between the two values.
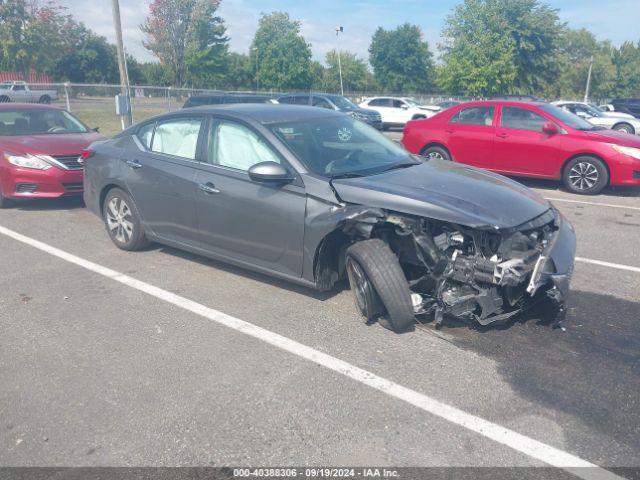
x=401, y=59
x=282, y=55
x=500, y=46
x=32, y=35
x=188, y=38
x=626, y=61
x=240, y=74
x=354, y=72
x=207, y=50
x=156, y=74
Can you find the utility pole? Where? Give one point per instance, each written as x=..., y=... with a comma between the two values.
x=340, y=30
x=586, y=92
x=122, y=63
x=255, y=49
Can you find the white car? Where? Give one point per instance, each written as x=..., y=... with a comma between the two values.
x=622, y=122
x=397, y=111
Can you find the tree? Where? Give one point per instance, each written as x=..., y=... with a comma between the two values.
x=187, y=37
x=207, y=50
x=500, y=46
x=156, y=74
x=91, y=59
x=32, y=35
x=354, y=72
x=401, y=59
x=240, y=74
x=282, y=55
x=626, y=61
x=573, y=59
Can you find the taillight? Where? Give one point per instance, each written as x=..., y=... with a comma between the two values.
x=84, y=155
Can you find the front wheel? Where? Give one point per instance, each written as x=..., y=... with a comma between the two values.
x=45, y=100
x=123, y=221
x=379, y=285
x=585, y=175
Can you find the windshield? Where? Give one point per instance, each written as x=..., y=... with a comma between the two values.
x=568, y=118
x=38, y=122
x=342, y=147
x=411, y=101
x=5, y=86
x=594, y=112
x=342, y=103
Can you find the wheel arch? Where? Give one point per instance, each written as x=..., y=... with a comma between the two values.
x=105, y=191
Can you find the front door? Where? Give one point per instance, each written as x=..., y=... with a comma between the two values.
x=160, y=176
x=521, y=147
x=259, y=223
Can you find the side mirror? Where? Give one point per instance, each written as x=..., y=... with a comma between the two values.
x=550, y=129
x=405, y=107
x=270, y=172
x=583, y=114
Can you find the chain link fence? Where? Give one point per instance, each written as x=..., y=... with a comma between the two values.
x=95, y=104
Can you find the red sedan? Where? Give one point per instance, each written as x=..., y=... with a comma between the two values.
x=39, y=150
x=529, y=139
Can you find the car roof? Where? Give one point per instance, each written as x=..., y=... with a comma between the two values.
x=266, y=113
x=502, y=102
x=27, y=106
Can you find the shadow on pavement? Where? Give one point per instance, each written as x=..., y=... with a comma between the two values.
x=591, y=371
x=62, y=203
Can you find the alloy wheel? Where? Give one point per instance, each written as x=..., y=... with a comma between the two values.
x=119, y=220
x=435, y=156
x=361, y=288
x=584, y=176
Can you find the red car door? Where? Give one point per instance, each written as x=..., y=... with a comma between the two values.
x=521, y=147
x=470, y=135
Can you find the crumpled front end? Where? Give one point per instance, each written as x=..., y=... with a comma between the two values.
x=487, y=274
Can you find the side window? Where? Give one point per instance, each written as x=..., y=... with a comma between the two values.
x=19, y=88
x=177, y=137
x=379, y=102
x=522, y=119
x=321, y=102
x=235, y=146
x=145, y=134
x=474, y=116
x=398, y=103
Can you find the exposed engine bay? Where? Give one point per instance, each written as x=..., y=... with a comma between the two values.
x=486, y=275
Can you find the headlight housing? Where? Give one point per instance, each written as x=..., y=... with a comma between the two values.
x=34, y=162
x=629, y=151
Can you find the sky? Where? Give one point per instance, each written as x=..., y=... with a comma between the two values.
x=616, y=20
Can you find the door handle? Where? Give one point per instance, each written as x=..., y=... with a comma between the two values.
x=208, y=188
x=502, y=135
x=448, y=131
x=133, y=164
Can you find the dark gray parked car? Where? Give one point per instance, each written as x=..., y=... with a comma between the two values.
x=313, y=196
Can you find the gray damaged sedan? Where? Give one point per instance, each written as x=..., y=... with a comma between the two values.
x=314, y=196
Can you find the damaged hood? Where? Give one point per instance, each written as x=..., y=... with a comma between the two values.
x=446, y=191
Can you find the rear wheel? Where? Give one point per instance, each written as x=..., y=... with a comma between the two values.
x=123, y=221
x=45, y=99
x=624, y=127
x=379, y=285
x=436, y=152
x=4, y=99
x=585, y=175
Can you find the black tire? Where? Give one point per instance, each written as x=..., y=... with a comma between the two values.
x=436, y=152
x=585, y=175
x=45, y=99
x=387, y=281
x=624, y=127
x=126, y=231
x=418, y=117
x=4, y=201
x=4, y=99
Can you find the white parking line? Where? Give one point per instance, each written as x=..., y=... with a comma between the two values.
x=608, y=264
x=526, y=445
x=611, y=205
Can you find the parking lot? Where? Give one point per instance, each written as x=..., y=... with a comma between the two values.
x=117, y=358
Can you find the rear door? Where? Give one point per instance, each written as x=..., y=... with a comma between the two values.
x=470, y=135
x=160, y=176
x=522, y=147
x=258, y=223
x=384, y=107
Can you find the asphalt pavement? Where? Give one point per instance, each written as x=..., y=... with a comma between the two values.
x=94, y=372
